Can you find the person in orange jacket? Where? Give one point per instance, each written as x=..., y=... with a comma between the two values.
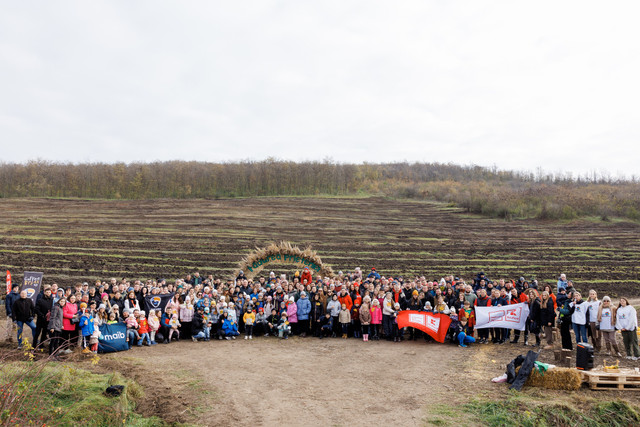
x=345, y=299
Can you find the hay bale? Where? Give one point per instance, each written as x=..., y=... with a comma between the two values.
x=555, y=379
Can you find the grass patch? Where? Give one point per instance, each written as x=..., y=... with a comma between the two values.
x=58, y=394
x=522, y=410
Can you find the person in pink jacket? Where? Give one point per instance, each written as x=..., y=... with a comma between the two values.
x=292, y=314
x=376, y=318
x=69, y=330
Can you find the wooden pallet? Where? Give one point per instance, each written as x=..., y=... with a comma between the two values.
x=624, y=380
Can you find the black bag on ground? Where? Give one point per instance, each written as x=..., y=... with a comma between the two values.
x=526, y=364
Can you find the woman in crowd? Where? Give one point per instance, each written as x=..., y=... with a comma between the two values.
x=593, y=308
x=547, y=317
x=627, y=322
x=55, y=326
x=607, y=321
x=69, y=325
x=579, y=318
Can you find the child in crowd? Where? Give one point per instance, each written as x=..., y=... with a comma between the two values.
x=273, y=321
x=154, y=325
x=376, y=318
x=214, y=319
x=284, y=328
x=95, y=336
x=86, y=326
x=206, y=319
x=112, y=318
x=174, y=327
x=261, y=323
x=365, y=318
x=143, y=330
x=326, y=325
x=229, y=326
x=249, y=319
x=355, y=318
x=463, y=333
x=397, y=333
x=345, y=320
x=132, y=327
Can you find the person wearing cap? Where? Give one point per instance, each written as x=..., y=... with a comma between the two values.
x=373, y=274
x=86, y=327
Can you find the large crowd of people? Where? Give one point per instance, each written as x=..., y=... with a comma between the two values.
x=353, y=305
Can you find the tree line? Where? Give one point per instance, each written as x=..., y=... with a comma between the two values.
x=488, y=191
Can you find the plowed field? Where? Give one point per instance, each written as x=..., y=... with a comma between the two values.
x=82, y=240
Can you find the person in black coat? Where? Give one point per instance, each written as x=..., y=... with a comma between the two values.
x=547, y=318
x=43, y=313
x=197, y=325
x=22, y=313
x=534, y=315
x=316, y=315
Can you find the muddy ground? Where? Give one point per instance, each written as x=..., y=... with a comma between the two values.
x=84, y=240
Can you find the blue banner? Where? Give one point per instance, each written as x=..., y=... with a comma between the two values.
x=113, y=338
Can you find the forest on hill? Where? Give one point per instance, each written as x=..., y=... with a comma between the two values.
x=482, y=190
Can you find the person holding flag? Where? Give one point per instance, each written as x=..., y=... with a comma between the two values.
x=22, y=312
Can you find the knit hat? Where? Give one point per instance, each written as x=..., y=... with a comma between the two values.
x=83, y=305
x=102, y=307
x=415, y=292
x=103, y=295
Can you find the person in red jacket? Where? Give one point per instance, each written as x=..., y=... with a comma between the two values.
x=143, y=330
x=306, y=275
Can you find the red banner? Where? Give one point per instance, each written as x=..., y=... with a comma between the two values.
x=435, y=325
x=8, y=282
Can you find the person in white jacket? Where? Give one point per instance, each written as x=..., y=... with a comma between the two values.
x=627, y=322
x=579, y=318
x=594, y=306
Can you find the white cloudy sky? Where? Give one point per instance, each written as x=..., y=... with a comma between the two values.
x=520, y=86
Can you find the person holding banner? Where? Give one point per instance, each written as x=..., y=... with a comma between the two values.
x=23, y=311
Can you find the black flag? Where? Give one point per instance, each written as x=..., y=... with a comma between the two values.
x=157, y=302
x=31, y=284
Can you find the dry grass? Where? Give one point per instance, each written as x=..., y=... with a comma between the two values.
x=249, y=264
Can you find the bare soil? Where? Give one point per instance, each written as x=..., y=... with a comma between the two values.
x=311, y=382
x=84, y=240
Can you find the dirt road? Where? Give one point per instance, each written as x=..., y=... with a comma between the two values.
x=318, y=382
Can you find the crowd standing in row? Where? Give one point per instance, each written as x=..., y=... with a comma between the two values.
x=353, y=305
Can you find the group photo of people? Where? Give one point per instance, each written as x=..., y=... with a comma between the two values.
x=356, y=305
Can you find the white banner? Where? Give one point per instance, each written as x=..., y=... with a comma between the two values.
x=511, y=316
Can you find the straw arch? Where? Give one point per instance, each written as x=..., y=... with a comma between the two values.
x=283, y=253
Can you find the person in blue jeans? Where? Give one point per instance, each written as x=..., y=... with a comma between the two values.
x=22, y=313
x=463, y=336
x=579, y=318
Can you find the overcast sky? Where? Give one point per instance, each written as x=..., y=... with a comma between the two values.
x=520, y=86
